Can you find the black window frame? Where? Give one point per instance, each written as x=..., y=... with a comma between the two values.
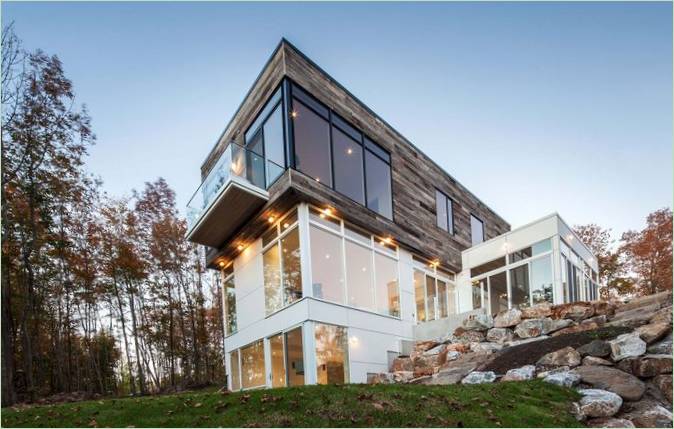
x=484, y=237
x=334, y=119
x=449, y=209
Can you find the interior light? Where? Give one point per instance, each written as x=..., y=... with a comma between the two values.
x=327, y=211
x=221, y=264
x=271, y=219
x=322, y=216
x=293, y=114
x=327, y=256
x=286, y=225
x=349, y=151
x=318, y=179
x=353, y=341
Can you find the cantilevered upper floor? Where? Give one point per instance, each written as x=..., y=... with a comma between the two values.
x=300, y=136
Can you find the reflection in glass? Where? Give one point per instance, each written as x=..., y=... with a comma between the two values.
x=386, y=273
x=273, y=296
x=230, y=305
x=292, y=273
x=420, y=295
x=252, y=365
x=430, y=298
x=441, y=210
x=295, y=357
x=359, y=276
x=326, y=265
x=519, y=286
x=451, y=299
x=331, y=354
x=378, y=181
x=476, y=230
x=476, y=288
x=274, y=145
x=498, y=292
x=312, y=143
x=348, y=166
x=234, y=366
x=442, y=299
x=278, y=369
x=541, y=280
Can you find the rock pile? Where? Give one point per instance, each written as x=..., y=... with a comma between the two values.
x=623, y=369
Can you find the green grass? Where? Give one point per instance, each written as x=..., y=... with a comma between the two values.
x=510, y=404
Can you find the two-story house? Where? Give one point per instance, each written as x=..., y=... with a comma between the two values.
x=336, y=238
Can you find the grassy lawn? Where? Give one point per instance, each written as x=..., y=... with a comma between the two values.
x=513, y=404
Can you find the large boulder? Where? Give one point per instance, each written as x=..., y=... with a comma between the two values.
x=663, y=346
x=422, y=346
x=486, y=347
x=537, y=311
x=530, y=328
x=663, y=315
x=603, y=308
x=453, y=372
x=478, y=322
x=402, y=376
x=508, y=318
x=577, y=328
x=553, y=325
x=402, y=364
x=621, y=383
x=458, y=347
x=563, y=378
x=576, y=311
x=664, y=384
x=465, y=336
x=593, y=360
x=500, y=335
x=647, y=414
x=567, y=356
x=597, y=348
x=653, y=331
x=609, y=422
x=435, y=350
x=627, y=345
x=599, y=403
x=479, y=377
x=519, y=374
x=647, y=365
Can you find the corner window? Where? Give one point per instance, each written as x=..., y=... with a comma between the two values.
x=444, y=212
x=281, y=264
x=476, y=230
x=265, y=138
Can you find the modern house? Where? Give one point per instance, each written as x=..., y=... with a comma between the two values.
x=336, y=238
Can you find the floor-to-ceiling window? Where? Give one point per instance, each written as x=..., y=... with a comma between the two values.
x=229, y=297
x=287, y=358
x=235, y=374
x=434, y=291
x=332, y=361
x=333, y=152
x=281, y=264
x=278, y=364
x=252, y=365
x=265, y=137
x=350, y=266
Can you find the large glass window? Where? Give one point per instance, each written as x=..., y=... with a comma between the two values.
x=444, y=212
x=278, y=368
x=332, y=363
x=281, y=264
x=359, y=276
x=312, y=143
x=442, y=298
x=265, y=138
x=386, y=274
x=326, y=265
x=348, y=164
x=419, y=294
x=271, y=265
x=378, y=180
x=236, y=374
x=295, y=357
x=498, y=293
x=431, y=298
x=541, y=280
x=252, y=365
x=519, y=286
x=274, y=145
x=476, y=230
x=488, y=266
x=229, y=296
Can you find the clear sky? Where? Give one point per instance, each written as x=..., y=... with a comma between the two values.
x=534, y=107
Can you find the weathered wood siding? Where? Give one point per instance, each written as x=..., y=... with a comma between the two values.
x=414, y=176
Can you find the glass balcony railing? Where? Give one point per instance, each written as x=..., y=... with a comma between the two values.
x=236, y=163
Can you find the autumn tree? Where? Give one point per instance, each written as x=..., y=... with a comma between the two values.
x=650, y=252
x=611, y=258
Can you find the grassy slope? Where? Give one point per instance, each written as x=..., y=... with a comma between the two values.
x=513, y=404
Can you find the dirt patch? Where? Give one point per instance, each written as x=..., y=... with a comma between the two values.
x=530, y=353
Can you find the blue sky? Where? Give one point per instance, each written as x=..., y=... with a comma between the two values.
x=534, y=107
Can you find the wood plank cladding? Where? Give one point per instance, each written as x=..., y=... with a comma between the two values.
x=414, y=175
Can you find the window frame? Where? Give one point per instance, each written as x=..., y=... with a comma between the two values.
x=375, y=245
x=225, y=278
x=429, y=269
x=484, y=237
x=336, y=120
x=449, y=211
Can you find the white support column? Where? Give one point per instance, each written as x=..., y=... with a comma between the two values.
x=305, y=251
x=309, y=342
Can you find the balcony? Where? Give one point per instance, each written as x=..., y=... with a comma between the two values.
x=234, y=190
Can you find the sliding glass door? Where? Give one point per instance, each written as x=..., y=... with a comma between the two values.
x=287, y=358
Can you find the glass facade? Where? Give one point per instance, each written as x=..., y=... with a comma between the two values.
x=281, y=264
x=332, y=350
x=265, y=138
x=348, y=162
x=312, y=143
